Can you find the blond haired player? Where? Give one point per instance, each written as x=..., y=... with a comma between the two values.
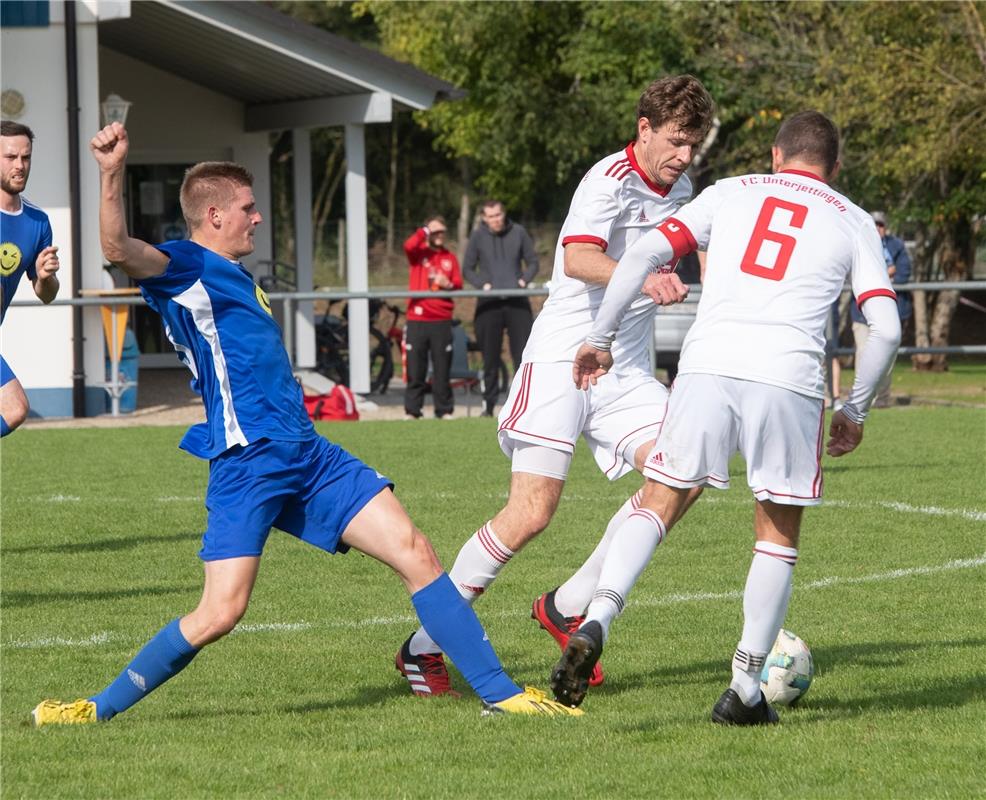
x=750, y=379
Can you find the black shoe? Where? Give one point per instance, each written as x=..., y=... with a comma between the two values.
x=731, y=710
x=570, y=677
x=486, y=413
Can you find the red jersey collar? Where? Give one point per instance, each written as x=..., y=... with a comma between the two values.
x=803, y=174
x=654, y=187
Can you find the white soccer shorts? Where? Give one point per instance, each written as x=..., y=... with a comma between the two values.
x=545, y=407
x=711, y=417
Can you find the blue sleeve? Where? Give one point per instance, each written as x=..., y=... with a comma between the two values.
x=902, y=262
x=184, y=268
x=44, y=240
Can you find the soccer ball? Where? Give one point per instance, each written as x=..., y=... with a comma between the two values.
x=788, y=670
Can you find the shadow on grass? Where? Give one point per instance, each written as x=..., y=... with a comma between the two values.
x=947, y=692
x=26, y=599
x=362, y=698
x=103, y=545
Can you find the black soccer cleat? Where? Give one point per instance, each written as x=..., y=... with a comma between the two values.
x=570, y=677
x=731, y=710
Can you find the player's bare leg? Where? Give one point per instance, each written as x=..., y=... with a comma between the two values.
x=225, y=596
x=14, y=406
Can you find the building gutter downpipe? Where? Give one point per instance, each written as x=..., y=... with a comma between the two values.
x=72, y=76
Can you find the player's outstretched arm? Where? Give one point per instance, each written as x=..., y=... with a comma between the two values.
x=137, y=258
x=590, y=365
x=844, y=435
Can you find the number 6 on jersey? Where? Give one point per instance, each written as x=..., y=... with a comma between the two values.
x=762, y=233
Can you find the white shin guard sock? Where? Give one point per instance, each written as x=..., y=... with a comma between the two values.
x=765, y=601
x=477, y=565
x=630, y=551
x=573, y=596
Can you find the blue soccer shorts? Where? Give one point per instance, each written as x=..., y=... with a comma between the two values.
x=310, y=489
x=6, y=373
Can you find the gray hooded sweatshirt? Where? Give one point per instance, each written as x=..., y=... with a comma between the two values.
x=495, y=258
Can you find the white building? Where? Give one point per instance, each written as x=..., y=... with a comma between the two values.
x=206, y=80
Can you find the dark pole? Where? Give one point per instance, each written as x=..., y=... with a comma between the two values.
x=72, y=75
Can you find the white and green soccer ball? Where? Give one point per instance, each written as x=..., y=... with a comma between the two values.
x=788, y=670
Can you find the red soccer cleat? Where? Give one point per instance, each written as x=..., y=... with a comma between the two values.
x=426, y=674
x=561, y=628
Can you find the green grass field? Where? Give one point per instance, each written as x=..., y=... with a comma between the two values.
x=99, y=536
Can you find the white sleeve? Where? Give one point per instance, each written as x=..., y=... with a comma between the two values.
x=646, y=254
x=877, y=357
x=869, y=268
x=593, y=212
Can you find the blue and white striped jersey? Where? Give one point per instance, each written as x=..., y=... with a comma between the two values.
x=220, y=323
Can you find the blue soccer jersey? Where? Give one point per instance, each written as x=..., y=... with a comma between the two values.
x=22, y=236
x=220, y=323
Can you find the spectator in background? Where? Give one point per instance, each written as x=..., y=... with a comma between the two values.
x=500, y=255
x=899, y=270
x=429, y=320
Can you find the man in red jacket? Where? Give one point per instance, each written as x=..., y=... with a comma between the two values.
x=429, y=320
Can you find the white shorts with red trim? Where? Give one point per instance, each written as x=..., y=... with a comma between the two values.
x=711, y=417
x=544, y=407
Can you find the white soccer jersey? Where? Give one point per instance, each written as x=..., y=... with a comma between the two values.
x=779, y=250
x=613, y=207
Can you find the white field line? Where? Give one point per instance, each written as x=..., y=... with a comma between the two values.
x=644, y=601
x=905, y=508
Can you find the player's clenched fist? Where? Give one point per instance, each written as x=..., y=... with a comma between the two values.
x=47, y=262
x=109, y=146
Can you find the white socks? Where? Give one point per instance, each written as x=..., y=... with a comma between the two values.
x=478, y=563
x=573, y=596
x=630, y=551
x=765, y=599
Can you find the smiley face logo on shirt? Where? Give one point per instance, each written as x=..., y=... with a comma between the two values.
x=10, y=258
x=263, y=299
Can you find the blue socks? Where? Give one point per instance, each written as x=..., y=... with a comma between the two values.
x=452, y=623
x=164, y=656
x=4, y=427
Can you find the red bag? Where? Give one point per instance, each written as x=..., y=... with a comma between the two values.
x=339, y=404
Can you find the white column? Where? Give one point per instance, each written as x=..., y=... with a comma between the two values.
x=304, y=321
x=357, y=259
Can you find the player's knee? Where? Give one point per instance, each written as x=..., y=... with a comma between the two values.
x=214, y=623
x=15, y=406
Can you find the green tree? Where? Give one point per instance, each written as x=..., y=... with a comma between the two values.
x=907, y=84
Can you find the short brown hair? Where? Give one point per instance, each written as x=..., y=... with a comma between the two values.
x=210, y=183
x=11, y=128
x=809, y=136
x=681, y=99
x=491, y=203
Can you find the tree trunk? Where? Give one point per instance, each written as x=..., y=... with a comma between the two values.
x=955, y=260
x=923, y=256
x=332, y=175
x=392, y=190
x=464, y=226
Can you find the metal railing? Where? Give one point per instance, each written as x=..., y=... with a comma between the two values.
x=114, y=387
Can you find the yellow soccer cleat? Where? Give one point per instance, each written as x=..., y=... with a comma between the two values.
x=55, y=712
x=530, y=701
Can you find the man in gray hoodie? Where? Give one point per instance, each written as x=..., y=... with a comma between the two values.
x=493, y=261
